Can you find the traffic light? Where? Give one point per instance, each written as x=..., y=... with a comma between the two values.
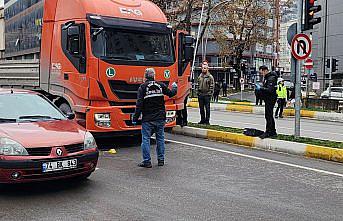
x=310, y=11
x=328, y=63
x=334, y=65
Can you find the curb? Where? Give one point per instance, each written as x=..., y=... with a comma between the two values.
x=312, y=151
x=325, y=116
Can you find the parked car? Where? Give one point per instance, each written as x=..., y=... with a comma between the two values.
x=38, y=142
x=336, y=93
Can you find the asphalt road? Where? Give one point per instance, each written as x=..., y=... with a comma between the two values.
x=309, y=128
x=201, y=180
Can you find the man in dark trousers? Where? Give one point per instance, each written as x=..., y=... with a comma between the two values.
x=268, y=94
x=224, y=89
x=216, y=92
x=258, y=98
x=205, y=93
x=150, y=103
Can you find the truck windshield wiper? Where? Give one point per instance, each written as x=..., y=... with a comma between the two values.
x=117, y=57
x=7, y=120
x=37, y=117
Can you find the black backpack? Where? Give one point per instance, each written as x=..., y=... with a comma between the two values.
x=251, y=132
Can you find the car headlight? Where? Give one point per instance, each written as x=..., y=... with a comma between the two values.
x=89, y=142
x=9, y=147
x=103, y=120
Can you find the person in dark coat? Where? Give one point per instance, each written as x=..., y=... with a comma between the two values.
x=224, y=89
x=216, y=92
x=258, y=98
x=269, y=95
x=150, y=103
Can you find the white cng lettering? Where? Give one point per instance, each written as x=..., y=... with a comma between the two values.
x=130, y=11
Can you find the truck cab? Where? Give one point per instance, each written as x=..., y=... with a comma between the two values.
x=93, y=55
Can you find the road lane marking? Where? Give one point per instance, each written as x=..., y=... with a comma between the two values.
x=258, y=158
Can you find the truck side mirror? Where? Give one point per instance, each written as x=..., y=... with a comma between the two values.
x=189, y=48
x=74, y=40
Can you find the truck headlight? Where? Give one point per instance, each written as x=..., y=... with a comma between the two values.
x=9, y=147
x=103, y=119
x=89, y=142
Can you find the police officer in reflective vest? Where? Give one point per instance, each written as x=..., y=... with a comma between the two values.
x=150, y=103
x=281, y=98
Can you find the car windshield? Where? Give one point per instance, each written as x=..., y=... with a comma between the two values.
x=27, y=107
x=134, y=46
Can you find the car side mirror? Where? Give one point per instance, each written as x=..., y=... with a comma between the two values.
x=71, y=116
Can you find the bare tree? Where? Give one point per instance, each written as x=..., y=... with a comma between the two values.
x=182, y=14
x=241, y=25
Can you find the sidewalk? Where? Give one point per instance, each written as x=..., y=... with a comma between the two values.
x=246, y=107
x=307, y=150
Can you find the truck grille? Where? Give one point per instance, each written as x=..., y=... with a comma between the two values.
x=74, y=148
x=41, y=151
x=126, y=91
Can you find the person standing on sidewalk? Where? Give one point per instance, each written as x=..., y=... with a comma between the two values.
x=282, y=98
x=216, y=92
x=205, y=93
x=268, y=93
x=258, y=98
x=224, y=89
x=150, y=103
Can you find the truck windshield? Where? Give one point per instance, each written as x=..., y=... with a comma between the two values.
x=133, y=46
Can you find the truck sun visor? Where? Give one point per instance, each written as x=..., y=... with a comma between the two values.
x=128, y=24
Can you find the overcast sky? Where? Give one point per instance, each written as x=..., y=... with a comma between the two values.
x=1, y=3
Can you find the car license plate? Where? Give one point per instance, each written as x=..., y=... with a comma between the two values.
x=59, y=165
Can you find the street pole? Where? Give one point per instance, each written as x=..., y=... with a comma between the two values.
x=197, y=41
x=298, y=78
x=330, y=76
x=325, y=43
x=308, y=86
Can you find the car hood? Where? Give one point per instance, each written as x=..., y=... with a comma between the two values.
x=44, y=133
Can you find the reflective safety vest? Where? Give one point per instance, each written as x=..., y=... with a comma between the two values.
x=281, y=91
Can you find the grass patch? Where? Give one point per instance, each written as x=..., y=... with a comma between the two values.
x=305, y=140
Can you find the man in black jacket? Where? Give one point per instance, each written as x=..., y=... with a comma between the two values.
x=268, y=94
x=150, y=103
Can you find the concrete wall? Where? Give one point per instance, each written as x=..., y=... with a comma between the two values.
x=334, y=39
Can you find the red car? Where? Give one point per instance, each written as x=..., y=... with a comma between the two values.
x=38, y=142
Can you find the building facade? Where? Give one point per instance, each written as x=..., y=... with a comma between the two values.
x=328, y=42
x=285, y=54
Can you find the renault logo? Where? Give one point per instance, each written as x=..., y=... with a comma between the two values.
x=59, y=152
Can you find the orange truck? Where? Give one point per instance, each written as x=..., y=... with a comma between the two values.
x=91, y=56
